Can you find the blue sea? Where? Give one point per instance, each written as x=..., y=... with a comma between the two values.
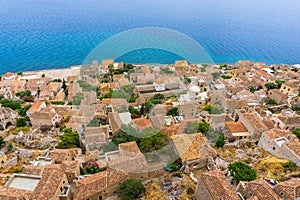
x=43, y=34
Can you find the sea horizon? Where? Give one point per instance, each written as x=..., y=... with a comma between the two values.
x=37, y=35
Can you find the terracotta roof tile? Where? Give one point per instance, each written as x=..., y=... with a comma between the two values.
x=263, y=190
x=236, y=127
x=290, y=188
x=218, y=186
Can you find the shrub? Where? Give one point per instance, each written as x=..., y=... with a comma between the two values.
x=296, y=132
x=289, y=166
x=131, y=189
x=58, y=102
x=11, y=104
x=213, y=109
x=1, y=141
x=23, y=94
x=173, y=112
x=70, y=139
x=158, y=96
x=10, y=146
x=188, y=80
x=241, y=172
x=174, y=166
x=221, y=141
x=23, y=110
x=21, y=122
x=271, y=102
x=190, y=190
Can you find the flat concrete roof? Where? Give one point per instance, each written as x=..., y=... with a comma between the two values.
x=23, y=181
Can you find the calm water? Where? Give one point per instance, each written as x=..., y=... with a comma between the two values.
x=39, y=34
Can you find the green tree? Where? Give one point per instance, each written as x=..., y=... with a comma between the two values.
x=159, y=96
x=43, y=75
x=296, y=131
x=64, y=85
x=203, y=127
x=213, y=109
x=58, y=103
x=23, y=94
x=279, y=83
x=131, y=189
x=271, y=102
x=188, y=80
x=221, y=141
x=1, y=141
x=289, y=166
x=133, y=111
x=70, y=139
x=152, y=143
x=241, y=172
x=23, y=110
x=10, y=146
x=271, y=85
x=11, y=104
x=145, y=108
x=296, y=107
x=21, y=122
x=173, y=111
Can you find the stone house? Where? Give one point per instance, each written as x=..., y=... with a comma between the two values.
x=193, y=150
x=258, y=188
x=235, y=130
x=36, y=107
x=104, y=88
x=3, y=160
x=179, y=64
x=48, y=183
x=9, y=76
x=232, y=105
x=133, y=77
x=291, y=87
x=130, y=159
x=142, y=123
x=254, y=124
x=287, y=122
x=94, y=138
x=217, y=121
x=188, y=109
x=107, y=62
x=45, y=117
x=214, y=185
x=7, y=117
x=114, y=105
x=288, y=190
x=238, y=72
x=277, y=95
x=99, y=186
x=282, y=144
x=60, y=155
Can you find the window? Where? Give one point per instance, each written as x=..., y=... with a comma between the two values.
x=273, y=148
x=281, y=193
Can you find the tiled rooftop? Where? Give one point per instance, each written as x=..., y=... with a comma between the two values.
x=218, y=186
